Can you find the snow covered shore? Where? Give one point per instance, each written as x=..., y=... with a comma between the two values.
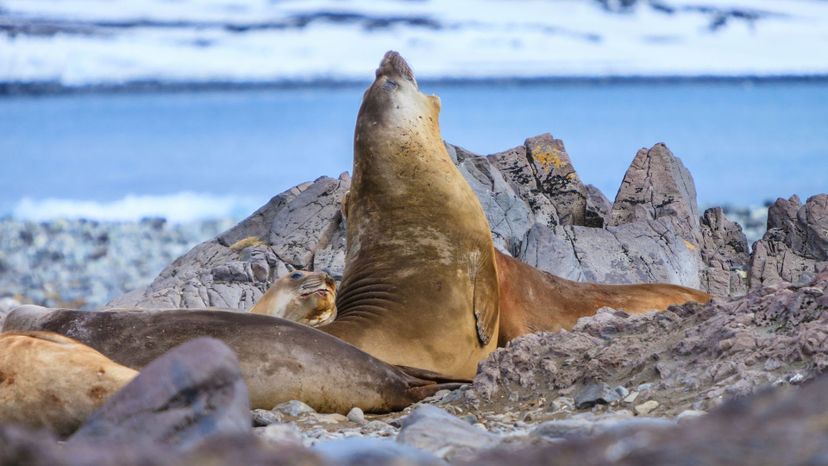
x=82, y=43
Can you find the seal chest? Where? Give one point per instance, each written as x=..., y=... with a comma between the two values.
x=420, y=285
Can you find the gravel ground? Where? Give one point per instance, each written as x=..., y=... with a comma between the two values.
x=84, y=264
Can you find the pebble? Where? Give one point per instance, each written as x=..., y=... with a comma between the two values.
x=646, y=408
x=436, y=431
x=631, y=397
x=621, y=391
x=333, y=418
x=263, y=417
x=690, y=414
x=293, y=408
x=596, y=393
x=796, y=378
x=280, y=433
x=356, y=415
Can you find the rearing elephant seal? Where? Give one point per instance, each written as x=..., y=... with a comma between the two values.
x=304, y=297
x=420, y=286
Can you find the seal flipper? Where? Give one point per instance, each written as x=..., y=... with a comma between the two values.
x=424, y=383
x=483, y=274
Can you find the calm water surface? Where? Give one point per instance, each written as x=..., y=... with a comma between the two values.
x=742, y=143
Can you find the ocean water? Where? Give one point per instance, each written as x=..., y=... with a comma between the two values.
x=203, y=154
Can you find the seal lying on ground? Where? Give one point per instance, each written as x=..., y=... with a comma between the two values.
x=419, y=287
x=50, y=381
x=304, y=297
x=532, y=300
x=280, y=360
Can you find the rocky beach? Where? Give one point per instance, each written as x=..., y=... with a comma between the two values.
x=734, y=381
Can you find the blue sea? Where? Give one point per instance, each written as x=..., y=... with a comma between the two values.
x=218, y=153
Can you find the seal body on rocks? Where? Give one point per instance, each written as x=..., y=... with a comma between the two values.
x=420, y=286
x=280, y=360
x=304, y=297
x=50, y=381
x=535, y=301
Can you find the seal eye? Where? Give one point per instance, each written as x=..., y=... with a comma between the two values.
x=296, y=275
x=390, y=85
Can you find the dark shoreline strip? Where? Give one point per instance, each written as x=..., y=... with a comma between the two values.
x=54, y=87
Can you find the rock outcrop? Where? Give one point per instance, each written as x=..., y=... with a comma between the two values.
x=538, y=209
x=688, y=357
x=191, y=394
x=780, y=426
x=795, y=247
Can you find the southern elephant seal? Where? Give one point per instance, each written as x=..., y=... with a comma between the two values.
x=50, y=381
x=419, y=287
x=534, y=301
x=304, y=297
x=280, y=360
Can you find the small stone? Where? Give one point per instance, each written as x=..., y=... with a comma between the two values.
x=596, y=393
x=645, y=386
x=646, y=408
x=333, y=418
x=441, y=394
x=561, y=403
x=690, y=414
x=293, y=408
x=436, y=431
x=280, y=433
x=796, y=378
x=356, y=415
x=263, y=417
x=631, y=397
x=621, y=391
x=470, y=418
x=376, y=425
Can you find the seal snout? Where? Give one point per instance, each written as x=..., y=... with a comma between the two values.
x=393, y=64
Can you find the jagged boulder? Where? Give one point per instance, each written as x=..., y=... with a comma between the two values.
x=725, y=255
x=299, y=228
x=689, y=357
x=795, y=247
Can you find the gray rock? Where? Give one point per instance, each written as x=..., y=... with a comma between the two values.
x=645, y=251
x=657, y=185
x=280, y=433
x=187, y=396
x=795, y=245
x=542, y=174
x=233, y=270
x=294, y=408
x=595, y=393
x=374, y=452
x=724, y=252
x=584, y=426
x=646, y=408
x=263, y=417
x=598, y=208
x=434, y=430
x=356, y=415
x=700, y=354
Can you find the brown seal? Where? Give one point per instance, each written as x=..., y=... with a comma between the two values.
x=279, y=360
x=420, y=286
x=533, y=301
x=50, y=381
x=304, y=297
